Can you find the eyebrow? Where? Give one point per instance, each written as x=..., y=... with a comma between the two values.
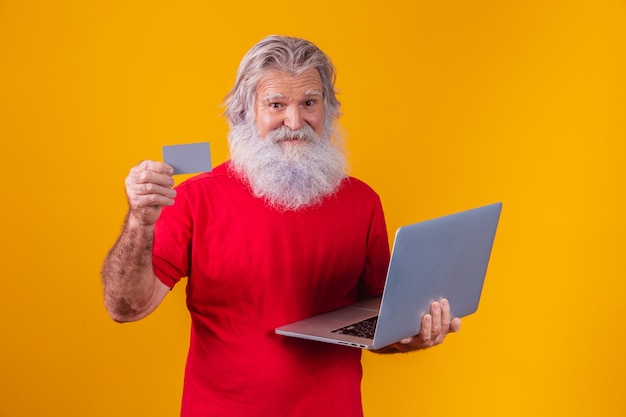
x=310, y=93
x=314, y=93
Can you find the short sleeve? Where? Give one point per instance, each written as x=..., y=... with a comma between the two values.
x=377, y=262
x=172, y=240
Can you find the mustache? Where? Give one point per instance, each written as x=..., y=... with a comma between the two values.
x=284, y=133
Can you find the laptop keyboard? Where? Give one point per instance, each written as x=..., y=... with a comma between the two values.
x=363, y=328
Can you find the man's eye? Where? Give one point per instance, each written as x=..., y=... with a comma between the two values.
x=275, y=105
x=309, y=103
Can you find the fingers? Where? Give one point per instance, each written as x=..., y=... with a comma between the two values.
x=436, y=313
x=423, y=339
x=431, y=327
x=426, y=330
x=445, y=316
x=455, y=324
x=442, y=310
x=434, y=326
x=150, y=171
x=149, y=187
x=151, y=178
x=448, y=323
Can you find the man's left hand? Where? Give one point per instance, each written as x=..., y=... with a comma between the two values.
x=435, y=327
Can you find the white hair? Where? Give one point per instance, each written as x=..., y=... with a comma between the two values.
x=286, y=54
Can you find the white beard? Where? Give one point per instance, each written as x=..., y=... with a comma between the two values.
x=288, y=176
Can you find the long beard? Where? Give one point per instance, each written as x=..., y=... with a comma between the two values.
x=288, y=174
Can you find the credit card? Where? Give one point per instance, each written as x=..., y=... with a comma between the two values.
x=189, y=158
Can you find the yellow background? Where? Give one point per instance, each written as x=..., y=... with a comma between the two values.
x=447, y=105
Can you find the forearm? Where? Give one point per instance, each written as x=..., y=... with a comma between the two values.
x=131, y=290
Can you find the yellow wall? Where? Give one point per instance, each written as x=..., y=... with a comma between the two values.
x=447, y=105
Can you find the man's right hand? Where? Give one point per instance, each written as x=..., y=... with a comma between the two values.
x=149, y=188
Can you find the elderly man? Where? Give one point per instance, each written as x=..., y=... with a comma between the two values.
x=274, y=235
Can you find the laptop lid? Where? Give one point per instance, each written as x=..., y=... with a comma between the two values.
x=446, y=257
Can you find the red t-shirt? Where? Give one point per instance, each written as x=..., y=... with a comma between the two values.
x=251, y=269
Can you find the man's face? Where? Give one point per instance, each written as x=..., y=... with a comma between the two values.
x=286, y=156
x=283, y=99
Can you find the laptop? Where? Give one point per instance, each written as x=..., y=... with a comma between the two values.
x=446, y=257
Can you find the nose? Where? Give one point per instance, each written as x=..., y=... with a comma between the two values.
x=294, y=118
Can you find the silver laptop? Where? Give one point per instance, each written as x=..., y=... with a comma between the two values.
x=445, y=257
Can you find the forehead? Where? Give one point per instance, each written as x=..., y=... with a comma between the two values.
x=288, y=85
